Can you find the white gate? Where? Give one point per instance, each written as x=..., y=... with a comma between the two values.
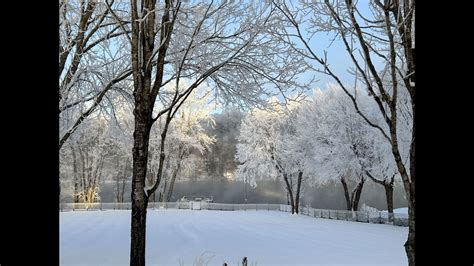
x=195, y=205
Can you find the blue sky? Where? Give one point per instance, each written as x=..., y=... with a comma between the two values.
x=338, y=58
x=337, y=55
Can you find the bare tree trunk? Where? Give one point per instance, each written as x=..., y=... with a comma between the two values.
x=117, y=180
x=290, y=193
x=388, y=186
x=298, y=188
x=410, y=243
x=346, y=194
x=289, y=186
x=138, y=197
x=83, y=172
x=175, y=174
x=171, y=185
x=124, y=180
x=75, y=198
x=389, y=196
x=163, y=190
x=355, y=197
x=151, y=180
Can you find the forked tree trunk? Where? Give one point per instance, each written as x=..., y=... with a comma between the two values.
x=346, y=194
x=355, y=197
x=352, y=199
x=388, y=186
x=290, y=193
x=298, y=189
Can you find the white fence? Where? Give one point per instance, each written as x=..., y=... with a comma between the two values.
x=355, y=216
x=376, y=217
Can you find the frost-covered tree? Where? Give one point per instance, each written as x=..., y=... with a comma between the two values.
x=329, y=125
x=223, y=43
x=266, y=149
x=98, y=151
x=186, y=136
x=382, y=169
x=93, y=59
x=89, y=149
x=343, y=146
x=379, y=42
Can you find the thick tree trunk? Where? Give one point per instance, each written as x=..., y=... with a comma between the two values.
x=139, y=198
x=145, y=93
x=346, y=194
x=298, y=189
x=137, y=252
x=409, y=185
x=410, y=243
x=389, y=196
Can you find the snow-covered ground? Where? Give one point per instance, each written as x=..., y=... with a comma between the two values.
x=399, y=211
x=180, y=237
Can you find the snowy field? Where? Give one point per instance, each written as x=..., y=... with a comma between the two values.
x=181, y=237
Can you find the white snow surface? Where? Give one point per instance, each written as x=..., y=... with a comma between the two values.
x=181, y=237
